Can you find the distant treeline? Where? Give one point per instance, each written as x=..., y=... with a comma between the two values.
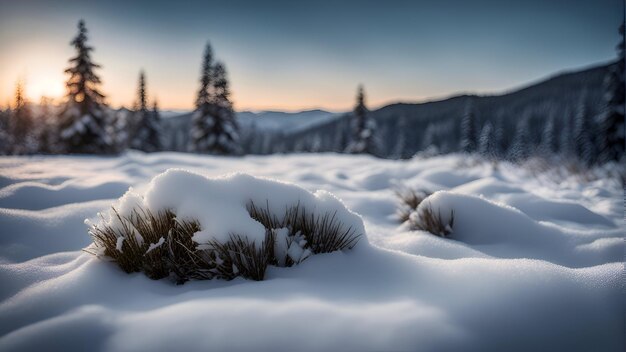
x=577, y=116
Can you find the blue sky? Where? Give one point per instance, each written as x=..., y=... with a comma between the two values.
x=307, y=54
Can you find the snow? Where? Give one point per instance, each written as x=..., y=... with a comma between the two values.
x=220, y=204
x=531, y=262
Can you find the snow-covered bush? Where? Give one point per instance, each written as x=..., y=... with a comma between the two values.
x=424, y=218
x=419, y=216
x=192, y=227
x=410, y=199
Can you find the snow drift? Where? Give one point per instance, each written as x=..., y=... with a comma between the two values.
x=237, y=225
x=503, y=231
x=517, y=277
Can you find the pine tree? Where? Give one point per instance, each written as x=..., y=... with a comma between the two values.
x=500, y=146
x=201, y=120
x=547, y=146
x=583, y=134
x=147, y=132
x=520, y=149
x=364, y=139
x=214, y=128
x=486, y=142
x=225, y=126
x=566, y=143
x=47, y=133
x=83, y=121
x=430, y=137
x=468, y=129
x=612, y=119
x=21, y=124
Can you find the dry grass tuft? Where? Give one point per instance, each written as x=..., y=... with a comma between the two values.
x=427, y=220
x=410, y=199
x=323, y=234
x=160, y=245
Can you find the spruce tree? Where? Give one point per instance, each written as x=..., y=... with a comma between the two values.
x=364, y=139
x=201, y=120
x=520, y=148
x=429, y=140
x=468, y=129
x=225, y=125
x=566, y=142
x=583, y=134
x=21, y=124
x=46, y=131
x=499, y=136
x=547, y=145
x=214, y=128
x=83, y=120
x=612, y=120
x=486, y=142
x=147, y=131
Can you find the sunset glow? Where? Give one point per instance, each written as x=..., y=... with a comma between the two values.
x=284, y=60
x=44, y=86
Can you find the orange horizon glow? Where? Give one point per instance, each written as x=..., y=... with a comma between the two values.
x=39, y=83
x=43, y=85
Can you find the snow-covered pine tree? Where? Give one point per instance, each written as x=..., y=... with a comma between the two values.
x=120, y=128
x=429, y=139
x=583, y=134
x=566, y=140
x=83, y=120
x=468, y=129
x=201, y=120
x=363, y=139
x=547, y=145
x=486, y=141
x=520, y=148
x=21, y=124
x=612, y=119
x=47, y=133
x=214, y=128
x=499, y=135
x=225, y=126
x=147, y=132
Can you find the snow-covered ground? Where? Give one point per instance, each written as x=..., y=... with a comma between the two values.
x=532, y=264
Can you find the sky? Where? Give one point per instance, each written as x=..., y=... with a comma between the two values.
x=295, y=55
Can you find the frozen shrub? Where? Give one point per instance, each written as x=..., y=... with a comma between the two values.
x=410, y=199
x=187, y=226
x=153, y=243
x=159, y=244
x=314, y=233
x=425, y=219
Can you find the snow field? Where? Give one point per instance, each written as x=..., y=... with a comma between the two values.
x=531, y=265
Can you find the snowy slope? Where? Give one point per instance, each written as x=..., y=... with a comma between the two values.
x=438, y=122
x=280, y=121
x=532, y=264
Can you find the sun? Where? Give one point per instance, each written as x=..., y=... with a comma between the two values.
x=44, y=86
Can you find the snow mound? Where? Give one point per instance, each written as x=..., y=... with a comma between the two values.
x=512, y=276
x=220, y=204
x=503, y=231
x=238, y=223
